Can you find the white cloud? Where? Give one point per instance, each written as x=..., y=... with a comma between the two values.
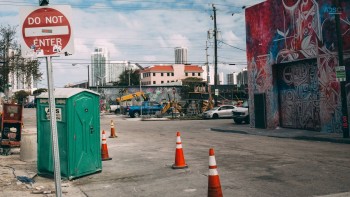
x=148, y=31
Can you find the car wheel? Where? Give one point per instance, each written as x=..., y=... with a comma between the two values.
x=238, y=121
x=136, y=114
x=215, y=116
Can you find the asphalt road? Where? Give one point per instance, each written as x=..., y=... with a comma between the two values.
x=248, y=165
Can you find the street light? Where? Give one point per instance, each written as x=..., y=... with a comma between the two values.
x=100, y=80
x=88, y=69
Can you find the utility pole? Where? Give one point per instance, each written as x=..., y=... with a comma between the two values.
x=344, y=121
x=215, y=59
x=206, y=62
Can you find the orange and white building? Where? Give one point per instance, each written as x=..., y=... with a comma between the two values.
x=170, y=74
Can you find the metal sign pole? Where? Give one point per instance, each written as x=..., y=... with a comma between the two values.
x=53, y=124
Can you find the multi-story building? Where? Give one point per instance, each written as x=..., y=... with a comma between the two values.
x=232, y=78
x=119, y=67
x=99, y=74
x=18, y=80
x=242, y=77
x=116, y=68
x=180, y=55
x=165, y=74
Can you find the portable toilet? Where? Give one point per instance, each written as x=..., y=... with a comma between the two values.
x=78, y=132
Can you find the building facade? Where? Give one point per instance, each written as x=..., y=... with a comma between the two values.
x=100, y=68
x=180, y=55
x=166, y=74
x=292, y=54
x=232, y=78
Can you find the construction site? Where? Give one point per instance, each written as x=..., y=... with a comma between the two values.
x=191, y=100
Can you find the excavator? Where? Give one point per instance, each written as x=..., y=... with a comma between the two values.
x=128, y=97
x=171, y=104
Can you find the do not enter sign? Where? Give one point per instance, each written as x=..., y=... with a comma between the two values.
x=46, y=31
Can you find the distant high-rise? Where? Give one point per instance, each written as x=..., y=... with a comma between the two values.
x=180, y=55
x=99, y=67
x=232, y=78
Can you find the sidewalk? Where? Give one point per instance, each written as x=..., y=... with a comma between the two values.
x=296, y=134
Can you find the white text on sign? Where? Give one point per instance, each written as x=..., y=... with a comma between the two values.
x=58, y=113
x=48, y=20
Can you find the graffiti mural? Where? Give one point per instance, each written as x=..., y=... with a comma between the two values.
x=299, y=95
x=282, y=32
x=158, y=94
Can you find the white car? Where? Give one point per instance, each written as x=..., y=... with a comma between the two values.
x=223, y=111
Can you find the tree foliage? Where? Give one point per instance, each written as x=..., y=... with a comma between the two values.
x=20, y=96
x=124, y=78
x=39, y=91
x=24, y=69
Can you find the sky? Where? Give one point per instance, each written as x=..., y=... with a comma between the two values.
x=144, y=32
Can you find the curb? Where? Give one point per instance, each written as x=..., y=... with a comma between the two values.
x=289, y=136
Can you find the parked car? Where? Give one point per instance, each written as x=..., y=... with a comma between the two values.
x=29, y=105
x=240, y=114
x=223, y=111
x=114, y=107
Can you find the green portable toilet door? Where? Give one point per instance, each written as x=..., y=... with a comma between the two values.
x=86, y=135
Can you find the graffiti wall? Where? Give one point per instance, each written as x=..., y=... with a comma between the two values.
x=299, y=95
x=158, y=94
x=280, y=34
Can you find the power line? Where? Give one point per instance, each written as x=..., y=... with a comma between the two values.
x=231, y=45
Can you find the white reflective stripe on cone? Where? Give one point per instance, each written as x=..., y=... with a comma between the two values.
x=213, y=172
x=104, y=141
x=178, y=139
x=178, y=146
x=212, y=161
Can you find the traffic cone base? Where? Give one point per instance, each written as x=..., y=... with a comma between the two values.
x=179, y=155
x=104, y=149
x=113, y=135
x=214, y=186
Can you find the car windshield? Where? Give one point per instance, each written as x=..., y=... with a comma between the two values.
x=215, y=108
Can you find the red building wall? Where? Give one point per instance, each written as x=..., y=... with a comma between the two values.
x=292, y=55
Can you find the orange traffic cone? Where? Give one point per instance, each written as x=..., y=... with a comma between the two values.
x=179, y=155
x=104, y=149
x=214, y=186
x=113, y=135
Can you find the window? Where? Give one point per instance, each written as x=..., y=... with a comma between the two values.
x=162, y=82
x=186, y=74
x=199, y=74
x=167, y=81
x=168, y=74
x=192, y=74
x=154, y=82
x=154, y=74
x=162, y=74
x=172, y=74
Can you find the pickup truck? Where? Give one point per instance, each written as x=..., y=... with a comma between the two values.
x=147, y=107
x=114, y=109
x=240, y=114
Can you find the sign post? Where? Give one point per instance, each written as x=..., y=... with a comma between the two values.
x=46, y=32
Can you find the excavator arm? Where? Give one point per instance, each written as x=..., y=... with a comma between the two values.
x=128, y=97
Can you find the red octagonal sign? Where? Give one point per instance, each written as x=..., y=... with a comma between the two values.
x=46, y=31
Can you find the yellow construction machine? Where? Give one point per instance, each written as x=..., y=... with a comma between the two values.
x=128, y=97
